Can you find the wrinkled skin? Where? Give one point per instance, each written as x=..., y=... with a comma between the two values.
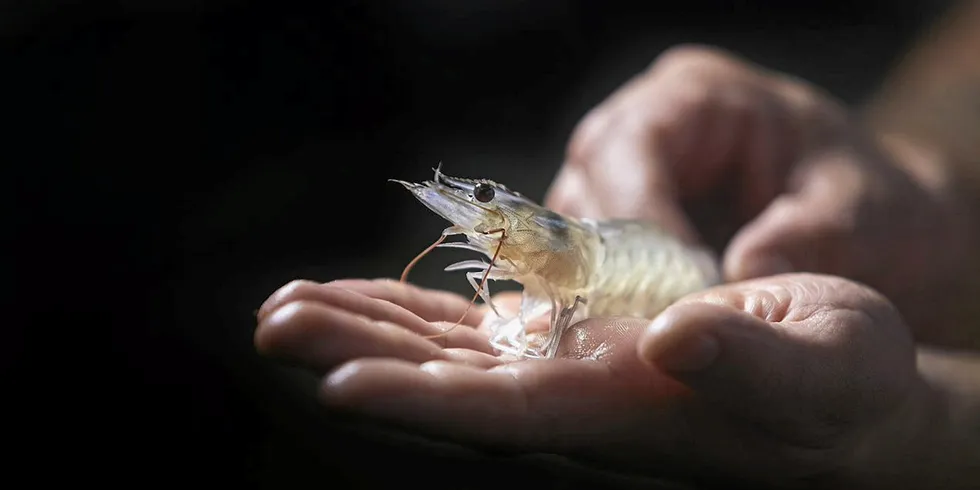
x=775, y=379
x=777, y=177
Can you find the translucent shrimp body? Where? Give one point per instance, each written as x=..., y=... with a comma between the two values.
x=571, y=269
x=643, y=269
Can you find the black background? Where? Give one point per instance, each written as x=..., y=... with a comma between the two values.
x=171, y=164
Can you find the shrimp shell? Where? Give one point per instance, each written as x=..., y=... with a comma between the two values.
x=571, y=269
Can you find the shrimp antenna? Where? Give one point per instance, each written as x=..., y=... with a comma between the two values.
x=483, y=283
x=419, y=257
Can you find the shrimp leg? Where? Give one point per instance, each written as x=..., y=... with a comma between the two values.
x=509, y=335
x=562, y=324
x=486, y=275
x=474, y=279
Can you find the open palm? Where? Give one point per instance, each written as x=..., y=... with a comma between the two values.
x=793, y=368
x=368, y=335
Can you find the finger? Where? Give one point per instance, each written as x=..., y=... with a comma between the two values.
x=812, y=228
x=284, y=295
x=762, y=249
x=675, y=131
x=374, y=309
x=443, y=398
x=472, y=358
x=532, y=405
x=347, y=300
x=649, y=193
x=571, y=195
x=430, y=304
x=719, y=113
x=800, y=355
x=321, y=337
x=771, y=141
x=617, y=139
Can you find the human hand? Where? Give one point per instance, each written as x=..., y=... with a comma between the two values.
x=779, y=177
x=795, y=379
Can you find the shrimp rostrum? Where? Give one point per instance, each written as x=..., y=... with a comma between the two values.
x=570, y=269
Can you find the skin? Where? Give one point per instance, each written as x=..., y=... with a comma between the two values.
x=814, y=191
x=828, y=361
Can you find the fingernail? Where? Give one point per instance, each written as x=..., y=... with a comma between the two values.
x=692, y=354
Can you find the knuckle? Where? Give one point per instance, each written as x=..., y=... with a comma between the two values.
x=352, y=370
x=719, y=295
x=287, y=326
x=691, y=57
x=295, y=289
x=815, y=107
x=739, y=101
x=292, y=291
x=702, y=64
x=702, y=74
x=695, y=96
x=586, y=136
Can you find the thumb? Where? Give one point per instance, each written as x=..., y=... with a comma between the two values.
x=797, y=354
x=723, y=353
x=736, y=362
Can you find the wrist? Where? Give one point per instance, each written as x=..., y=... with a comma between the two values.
x=905, y=449
x=954, y=199
x=932, y=439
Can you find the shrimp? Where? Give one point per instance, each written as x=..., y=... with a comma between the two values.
x=570, y=269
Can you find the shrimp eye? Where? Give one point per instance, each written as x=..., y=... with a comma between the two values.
x=483, y=192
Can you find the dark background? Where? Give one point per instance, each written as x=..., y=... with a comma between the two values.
x=172, y=163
